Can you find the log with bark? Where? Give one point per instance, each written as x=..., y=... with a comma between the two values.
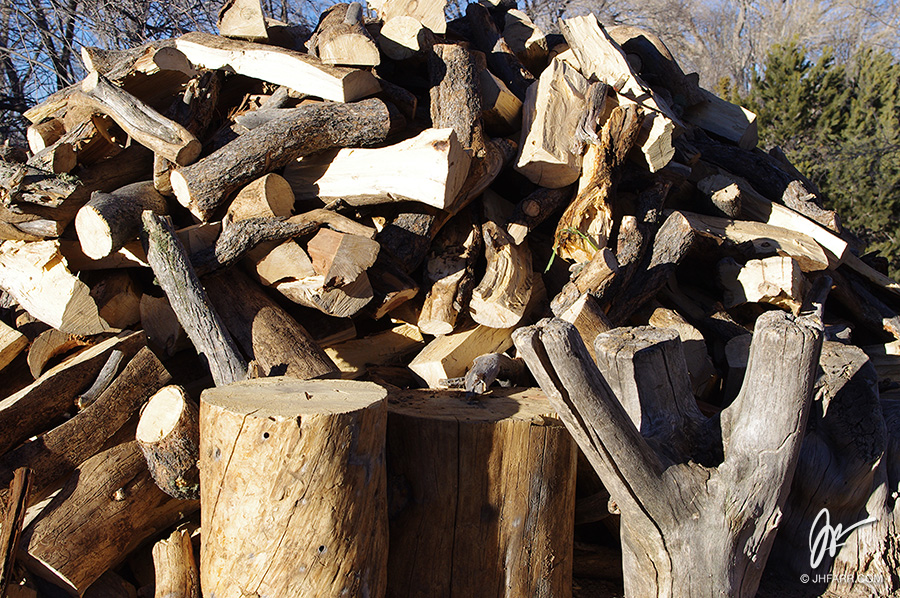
x=342, y=38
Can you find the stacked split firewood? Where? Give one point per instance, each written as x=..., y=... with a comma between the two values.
x=281, y=278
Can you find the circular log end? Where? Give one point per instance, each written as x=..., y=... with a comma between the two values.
x=93, y=232
x=188, y=153
x=161, y=414
x=180, y=188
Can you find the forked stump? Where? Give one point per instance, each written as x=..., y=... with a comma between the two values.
x=292, y=485
x=482, y=496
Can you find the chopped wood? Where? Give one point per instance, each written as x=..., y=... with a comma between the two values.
x=454, y=75
x=341, y=37
x=243, y=19
x=534, y=209
x=595, y=274
x=59, y=158
x=278, y=344
x=588, y=318
x=110, y=220
x=55, y=454
x=526, y=40
x=450, y=272
x=164, y=333
x=145, y=125
x=696, y=354
x=353, y=357
x=407, y=237
x=111, y=491
x=335, y=432
x=169, y=436
x=434, y=440
x=450, y=355
x=204, y=186
x=301, y=72
x=51, y=344
x=24, y=183
x=501, y=109
x=775, y=280
x=268, y=196
x=428, y=12
x=485, y=37
x=430, y=168
x=189, y=300
x=12, y=342
x=500, y=299
x=797, y=197
x=11, y=530
x=37, y=277
x=550, y=116
x=867, y=309
x=391, y=287
x=175, y=567
x=403, y=37
x=725, y=120
x=44, y=134
x=107, y=374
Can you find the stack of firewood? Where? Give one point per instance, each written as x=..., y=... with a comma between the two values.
x=305, y=229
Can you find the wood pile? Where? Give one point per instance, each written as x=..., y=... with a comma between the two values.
x=265, y=294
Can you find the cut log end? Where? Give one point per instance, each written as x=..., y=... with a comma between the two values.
x=94, y=233
x=160, y=415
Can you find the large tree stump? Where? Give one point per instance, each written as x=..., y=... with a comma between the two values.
x=292, y=485
x=700, y=498
x=482, y=496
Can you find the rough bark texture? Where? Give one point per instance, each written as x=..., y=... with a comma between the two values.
x=101, y=514
x=204, y=186
x=293, y=488
x=482, y=496
x=675, y=476
x=190, y=302
x=110, y=220
x=13, y=516
x=456, y=94
x=267, y=333
x=341, y=37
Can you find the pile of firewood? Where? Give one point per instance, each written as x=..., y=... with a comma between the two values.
x=251, y=252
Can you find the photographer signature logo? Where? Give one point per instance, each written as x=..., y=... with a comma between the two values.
x=828, y=538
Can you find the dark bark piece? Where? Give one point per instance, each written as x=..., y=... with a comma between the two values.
x=24, y=183
x=204, y=186
x=26, y=413
x=144, y=124
x=535, y=208
x=169, y=436
x=13, y=516
x=797, y=197
x=456, y=94
x=107, y=374
x=56, y=454
x=240, y=237
x=101, y=514
x=267, y=333
x=407, y=238
x=341, y=37
x=500, y=58
x=391, y=287
x=189, y=300
x=666, y=498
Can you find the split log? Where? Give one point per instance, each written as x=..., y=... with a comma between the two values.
x=22, y=183
x=322, y=443
x=696, y=355
x=403, y=37
x=189, y=300
x=430, y=168
x=428, y=12
x=240, y=237
x=501, y=109
x=265, y=331
x=534, y=209
x=12, y=342
x=341, y=37
x=175, y=568
x=867, y=309
x=637, y=422
x=169, y=436
x=27, y=412
x=54, y=455
x=798, y=198
x=109, y=220
x=301, y=72
x=500, y=299
x=758, y=240
x=44, y=134
x=588, y=318
x=483, y=495
x=268, y=196
x=144, y=124
x=502, y=61
x=723, y=119
x=203, y=186
x=450, y=272
x=449, y=356
x=353, y=357
x=406, y=237
x=391, y=287
x=550, y=116
x=103, y=512
x=59, y=158
x=526, y=40
x=593, y=277
x=774, y=280
x=341, y=258
x=483, y=172
x=36, y=276
x=49, y=345
x=586, y=225
x=11, y=530
x=454, y=76
x=118, y=298
x=243, y=19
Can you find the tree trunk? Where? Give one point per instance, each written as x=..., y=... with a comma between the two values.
x=293, y=487
x=482, y=496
